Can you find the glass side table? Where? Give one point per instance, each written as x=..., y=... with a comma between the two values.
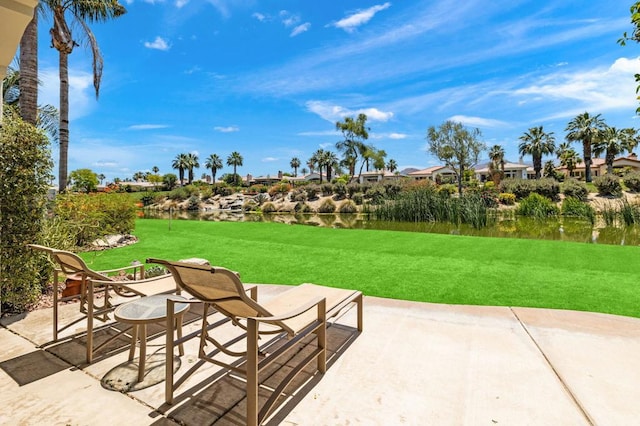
x=148, y=310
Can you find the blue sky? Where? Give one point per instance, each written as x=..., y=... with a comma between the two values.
x=269, y=79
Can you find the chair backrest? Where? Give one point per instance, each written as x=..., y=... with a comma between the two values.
x=218, y=286
x=70, y=263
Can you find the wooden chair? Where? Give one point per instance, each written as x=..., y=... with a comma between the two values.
x=297, y=313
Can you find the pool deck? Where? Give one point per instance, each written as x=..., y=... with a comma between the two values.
x=414, y=363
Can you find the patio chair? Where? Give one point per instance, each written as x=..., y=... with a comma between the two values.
x=116, y=285
x=295, y=314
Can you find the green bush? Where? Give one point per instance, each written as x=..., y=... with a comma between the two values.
x=327, y=206
x=392, y=188
x=577, y=208
x=358, y=198
x=447, y=188
x=354, y=188
x=25, y=173
x=507, y=198
x=302, y=207
x=547, y=187
x=537, y=206
x=147, y=199
x=269, y=208
x=178, y=194
x=632, y=181
x=193, y=203
x=376, y=194
x=348, y=206
x=299, y=195
x=312, y=191
x=340, y=189
x=576, y=189
x=608, y=185
x=327, y=188
x=521, y=188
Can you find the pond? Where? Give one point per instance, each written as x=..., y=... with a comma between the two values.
x=565, y=229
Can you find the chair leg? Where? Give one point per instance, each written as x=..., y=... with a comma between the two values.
x=179, y=333
x=322, y=336
x=143, y=351
x=359, y=302
x=55, y=305
x=168, y=367
x=134, y=341
x=252, y=372
x=89, y=323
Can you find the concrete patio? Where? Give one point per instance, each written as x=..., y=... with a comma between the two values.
x=414, y=363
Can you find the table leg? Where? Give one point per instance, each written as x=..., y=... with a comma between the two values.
x=143, y=351
x=134, y=341
x=179, y=332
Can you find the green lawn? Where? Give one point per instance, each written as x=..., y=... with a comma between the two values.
x=402, y=265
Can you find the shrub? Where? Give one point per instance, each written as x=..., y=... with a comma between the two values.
x=574, y=207
x=302, y=208
x=258, y=189
x=490, y=185
x=223, y=189
x=269, y=208
x=147, y=199
x=392, y=188
x=547, y=187
x=507, y=198
x=348, y=206
x=521, y=188
x=327, y=188
x=24, y=181
x=575, y=189
x=632, y=181
x=280, y=188
x=250, y=206
x=178, y=194
x=447, y=188
x=358, y=198
x=340, y=189
x=537, y=206
x=312, y=191
x=327, y=206
x=354, y=188
x=376, y=194
x=193, y=203
x=299, y=195
x=608, y=185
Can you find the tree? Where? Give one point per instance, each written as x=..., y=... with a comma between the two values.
x=354, y=133
x=536, y=143
x=169, y=181
x=613, y=142
x=155, y=180
x=392, y=166
x=330, y=161
x=29, y=71
x=83, y=180
x=317, y=160
x=303, y=171
x=569, y=158
x=455, y=145
x=155, y=169
x=295, y=163
x=180, y=163
x=213, y=163
x=138, y=176
x=635, y=36
x=235, y=159
x=192, y=163
x=496, y=164
x=101, y=177
x=586, y=129
x=81, y=13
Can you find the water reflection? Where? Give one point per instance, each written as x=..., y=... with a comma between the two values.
x=566, y=229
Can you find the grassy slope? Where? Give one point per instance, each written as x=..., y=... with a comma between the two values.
x=402, y=265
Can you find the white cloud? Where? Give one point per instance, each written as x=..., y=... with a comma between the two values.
x=477, y=121
x=227, y=129
x=181, y=3
x=269, y=159
x=350, y=23
x=300, y=29
x=159, y=43
x=320, y=133
x=333, y=113
x=598, y=89
x=81, y=92
x=147, y=126
x=259, y=16
x=398, y=136
x=109, y=164
x=288, y=19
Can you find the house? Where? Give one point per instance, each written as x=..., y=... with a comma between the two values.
x=311, y=177
x=511, y=170
x=378, y=176
x=599, y=166
x=434, y=173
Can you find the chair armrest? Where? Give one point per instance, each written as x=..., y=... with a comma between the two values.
x=293, y=313
x=139, y=266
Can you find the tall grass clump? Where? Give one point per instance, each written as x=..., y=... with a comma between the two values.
x=427, y=205
x=609, y=214
x=537, y=206
x=576, y=208
x=629, y=213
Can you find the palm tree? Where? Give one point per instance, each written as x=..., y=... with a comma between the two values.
x=295, y=163
x=29, y=71
x=536, y=142
x=214, y=163
x=81, y=13
x=180, y=163
x=569, y=158
x=330, y=161
x=392, y=166
x=155, y=169
x=317, y=159
x=311, y=165
x=138, y=176
x=235, y=160
x=612, y=142
x=192, y=163
x=586, y=129
x=101, y=177
x=496, y=165
x=303, y=171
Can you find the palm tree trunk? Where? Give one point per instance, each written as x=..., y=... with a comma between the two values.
x=64, y=121
x=29, y=72
x=587, y=160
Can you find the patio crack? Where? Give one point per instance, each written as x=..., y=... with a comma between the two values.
x=555, y=371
